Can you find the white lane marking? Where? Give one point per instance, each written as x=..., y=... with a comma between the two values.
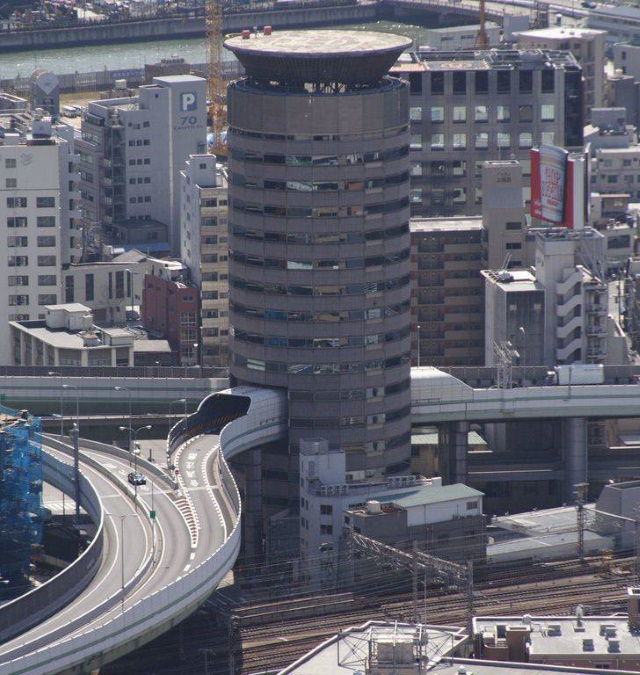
x=192, y=556
x=186, y=567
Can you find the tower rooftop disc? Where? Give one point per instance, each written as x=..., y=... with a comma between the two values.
x=347, y=57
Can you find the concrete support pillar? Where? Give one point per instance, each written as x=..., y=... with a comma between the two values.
x=454, y=444
x=575, y=455
x=248, y=471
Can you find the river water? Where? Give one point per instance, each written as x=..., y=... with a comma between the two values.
x=112, y=57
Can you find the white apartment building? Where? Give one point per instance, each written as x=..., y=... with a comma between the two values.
x=39, y=221
x=586, y=44
x=131, y=154
x=576, y=300
x=67, y=336
x=205, y=250
x=112, y=290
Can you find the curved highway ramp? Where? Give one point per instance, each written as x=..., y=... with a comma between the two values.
x=142, y=574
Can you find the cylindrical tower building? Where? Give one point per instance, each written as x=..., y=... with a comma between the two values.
x=319, y=237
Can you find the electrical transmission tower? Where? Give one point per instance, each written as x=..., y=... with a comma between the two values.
x=505, y=355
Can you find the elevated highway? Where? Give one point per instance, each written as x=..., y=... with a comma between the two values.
x=150, y=572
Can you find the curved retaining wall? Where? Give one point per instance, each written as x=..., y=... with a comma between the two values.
x=264, y=421
x=38, y=604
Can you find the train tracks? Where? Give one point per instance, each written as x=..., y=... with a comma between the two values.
x=542, y=590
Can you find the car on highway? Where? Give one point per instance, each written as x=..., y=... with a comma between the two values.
x=589, y=4
x=136, y=478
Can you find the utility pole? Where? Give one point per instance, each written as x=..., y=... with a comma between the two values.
x=470, y=607
x=75, y=433
x=581, y=489
x=636, y=513
x=414, y=584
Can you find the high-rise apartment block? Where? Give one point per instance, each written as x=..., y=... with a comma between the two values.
x=319, y=270
x=586, y=44
x=131, y=153
x=41, y=222
x=467, y=107
x=205, y=252
x=447, y=255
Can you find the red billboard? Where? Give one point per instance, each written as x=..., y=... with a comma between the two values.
x=558, y=187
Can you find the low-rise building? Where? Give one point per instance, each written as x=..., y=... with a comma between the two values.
x=331, y=497
x=68, y=337
x=602, y=642
x=170, y=308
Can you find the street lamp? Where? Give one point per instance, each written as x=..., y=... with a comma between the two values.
x=178, y=400
x=524, y=351
x=51, y=373
x=130, y=295
x=130, y=417
x=122, y=517
x=135, y=439
x=74, y=388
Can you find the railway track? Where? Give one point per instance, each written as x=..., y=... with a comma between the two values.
x=555, y=589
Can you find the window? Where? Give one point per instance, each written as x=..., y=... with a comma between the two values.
x=416, y=169
x=10, y=163
x=326, y=529
x=18, y=280
x=472, y=505
x=326, y=509
x=525, y=113
x=481, y=81
x=415, y=114
x=459, y=82
x=547, y=112
x=482, y=140
x=459, y=141
x=18, y=260
x=415, y=83
x=504, y=82
x=68, y=289
x=437, y=113
x=88, y=287
x=46, y=260
x=459, y=113
x=437, y=141
x=46, y=241
x=513, y=246
x=547, y=137
x=503, y=113
x=16, y=202
x=437, y=83
x=525, y=81
x=503, y=139
x=18, y=300
x=45, y=202
x=47, y=280
x=513, y=225
x=11, y=182
x=481, y=113
x=17, y=221
x=459, y=167
x=46, y=221
x=459, y=195
x=416, y=142
x=17, y=242
x=119, y=284
x=47, y=299
x=525, y=139
x=548, y=82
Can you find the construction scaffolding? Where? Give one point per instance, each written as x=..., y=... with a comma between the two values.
x=21, y=512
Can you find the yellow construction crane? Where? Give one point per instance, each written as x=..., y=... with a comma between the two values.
x=217, y=90
x=482, y=39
